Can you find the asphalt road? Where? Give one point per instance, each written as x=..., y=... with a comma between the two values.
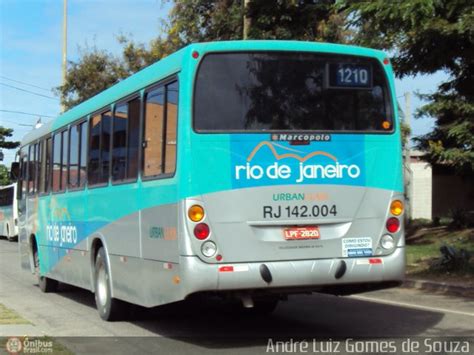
x=210, y=327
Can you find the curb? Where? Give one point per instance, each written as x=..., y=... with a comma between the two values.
x=439, y=287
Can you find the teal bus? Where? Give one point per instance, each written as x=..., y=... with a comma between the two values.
x=244, y=169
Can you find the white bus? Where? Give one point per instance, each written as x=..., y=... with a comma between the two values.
x=8, y=212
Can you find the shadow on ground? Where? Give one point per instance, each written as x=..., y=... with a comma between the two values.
x=211, y=324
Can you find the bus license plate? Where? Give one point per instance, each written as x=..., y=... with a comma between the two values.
x=301, y=233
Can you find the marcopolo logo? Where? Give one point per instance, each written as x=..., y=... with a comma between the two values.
x=304, y=170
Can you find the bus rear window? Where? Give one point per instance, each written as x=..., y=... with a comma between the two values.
x=290, y=91
x=6, y=196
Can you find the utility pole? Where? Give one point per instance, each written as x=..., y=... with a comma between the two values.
x=246, y=20
x=408, y=123
x=408, y=172
x=64, y=62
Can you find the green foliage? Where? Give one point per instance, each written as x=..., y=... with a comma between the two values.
x=4, y=134
x=4, y=176
x=426, y=36
x=460, y=218
x=200, y=21
x=297, y=20
x=206, y=20
x=97, y=70
x=406, y=131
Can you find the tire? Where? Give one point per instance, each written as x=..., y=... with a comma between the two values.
x=11, y=238
x=110, y=309
x=45, y=284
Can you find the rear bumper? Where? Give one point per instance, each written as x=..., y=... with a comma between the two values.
x=322, y=275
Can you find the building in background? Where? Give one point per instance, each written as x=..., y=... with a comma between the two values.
x=435, y=191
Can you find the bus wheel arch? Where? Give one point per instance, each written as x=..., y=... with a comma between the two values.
x=109, y=308
x=96, y=244
x=45, y=283
x=32, y=248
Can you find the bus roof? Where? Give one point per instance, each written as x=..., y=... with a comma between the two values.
x=173, y=63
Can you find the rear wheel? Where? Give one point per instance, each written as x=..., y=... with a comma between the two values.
x=45, y=283
x=109, y=308
x=10, y=238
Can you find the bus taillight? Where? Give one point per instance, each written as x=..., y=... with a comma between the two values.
x=396, y=207
x=196, y=213
x=392, y=225
x=201, y=231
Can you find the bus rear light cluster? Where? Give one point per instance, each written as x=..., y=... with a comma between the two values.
x=201, y=231
x=196, y=213
x=396, y=207
x=387, y=242
x=393, y=224
x=209, y=249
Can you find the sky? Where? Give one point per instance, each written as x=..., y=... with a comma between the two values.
x=31, y=50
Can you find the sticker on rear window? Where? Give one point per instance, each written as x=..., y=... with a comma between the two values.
x=356, y=247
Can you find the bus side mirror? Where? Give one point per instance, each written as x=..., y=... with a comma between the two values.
x=15, y=171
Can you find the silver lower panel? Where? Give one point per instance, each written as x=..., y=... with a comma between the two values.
x=150, y=283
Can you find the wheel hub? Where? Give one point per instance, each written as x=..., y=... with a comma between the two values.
x=102, y=286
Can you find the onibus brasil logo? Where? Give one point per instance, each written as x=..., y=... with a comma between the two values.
x=304, y=170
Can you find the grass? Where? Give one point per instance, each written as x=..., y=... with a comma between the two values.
x=423, y=249
x=8, y=316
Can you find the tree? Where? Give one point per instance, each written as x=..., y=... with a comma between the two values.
x=97, y=70
x=4, y=175
x=426, y=36
x=297, y=20
x=205, y=20
x=4, y=134
x=199, y=21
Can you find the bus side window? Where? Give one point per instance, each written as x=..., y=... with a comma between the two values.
x=171, y=126
x=42, y=168
x=31, y=170
x=83, y=155
x=133, y=138
x=119, y=142
x=153, y=133
x=94, y=150
x=56, y=179
x=105, y=147
x=22, y=182
x=64, y=159
x=49, y=153
x=39, y=152
x=73, y=174
x=125, y=140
